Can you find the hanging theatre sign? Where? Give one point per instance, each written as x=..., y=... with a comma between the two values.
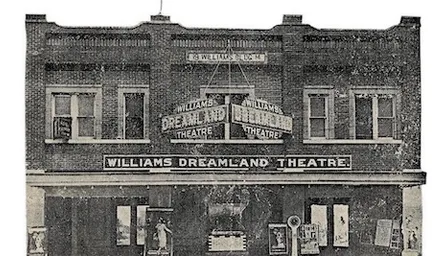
x=239, y=116
x=201, y=119
x=195, y=119
x=261, y=120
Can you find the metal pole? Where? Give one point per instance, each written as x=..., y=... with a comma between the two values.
x=161, y=5
x=294, y=223
x=230, y=62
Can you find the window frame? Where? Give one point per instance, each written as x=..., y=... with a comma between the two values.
x=76, y=99
x=133, y=232
x=73, y=91
x=122, y=90
x=328, y=91
x=396, y=101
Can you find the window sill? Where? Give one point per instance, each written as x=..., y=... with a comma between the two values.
x=193, y=141
x=94, y=141
x=332, y=141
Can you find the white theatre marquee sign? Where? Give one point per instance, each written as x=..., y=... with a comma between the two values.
x=204, y=119
x=226, y=162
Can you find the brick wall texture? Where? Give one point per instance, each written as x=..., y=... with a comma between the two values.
x=154, y=55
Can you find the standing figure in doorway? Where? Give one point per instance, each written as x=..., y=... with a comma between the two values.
x=161, y=235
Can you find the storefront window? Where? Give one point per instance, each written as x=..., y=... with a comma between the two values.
x=131, y=224
x=123, y=225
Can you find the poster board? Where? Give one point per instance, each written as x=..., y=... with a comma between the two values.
x=341, y=221
x=309, y=235
x=278, y=240
x=383, y=232
x=159, y=238
x=37, y=241
x=367, y=232
x=395, y=239
x=319, y=217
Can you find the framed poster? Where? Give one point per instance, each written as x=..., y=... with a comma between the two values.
x=383, y=233
x=37, y=241
x=159, y=234
x=278, y=242
x=141, y=224
x=396, y=235
x=309, y=235
x=319, y=217
x=367, y=232
x=123, y=228
x=340, y=213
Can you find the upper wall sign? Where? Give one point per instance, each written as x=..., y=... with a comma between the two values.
x=219, y=57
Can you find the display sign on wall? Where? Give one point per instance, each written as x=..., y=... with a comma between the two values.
x=309, y=239
x=319, y=217
x=395, y=240
x=159, y=231
x=195, y=119
x=340, y=213
x=278, y=241
x=123, y=228
x=62, y=127
x=221, y=57
x=37, y=241
x=261, y=119
x=383, y=232
x=200, y=119
x=225, y=162
x=225, y=241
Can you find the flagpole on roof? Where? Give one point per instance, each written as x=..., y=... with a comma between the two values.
x=161, y=5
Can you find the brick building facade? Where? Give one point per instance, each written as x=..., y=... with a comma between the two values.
x=127, y=123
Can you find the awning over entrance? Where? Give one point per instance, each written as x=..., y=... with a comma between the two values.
x=285, y=178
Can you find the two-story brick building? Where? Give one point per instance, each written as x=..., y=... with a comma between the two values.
x=208, y=140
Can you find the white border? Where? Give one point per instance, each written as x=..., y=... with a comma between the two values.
x=379, y=14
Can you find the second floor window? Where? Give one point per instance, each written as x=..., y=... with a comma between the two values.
x=375, y=116
x=134, y=117
x=86, y=117
x=318, y=122
x=133, y=112
x=74, y=113
x=318, y=113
